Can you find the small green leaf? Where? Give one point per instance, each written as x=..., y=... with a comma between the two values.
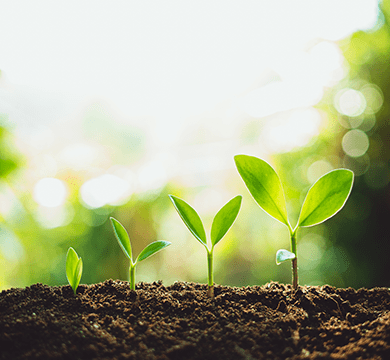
x=326, y=197
x=152, y=248
x=74, y=269
x=225, y=219
x=122, y=237
x=284, y=255
x=264, y=185
x=190, y=218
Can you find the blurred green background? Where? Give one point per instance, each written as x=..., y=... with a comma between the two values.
x=56, y=192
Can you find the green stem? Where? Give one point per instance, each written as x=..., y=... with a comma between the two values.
x=132, y=276
x=210, y=291
x=294, y=261
x=210, y=266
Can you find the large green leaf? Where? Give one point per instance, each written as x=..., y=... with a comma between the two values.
x=264, y=185
x=224, y=219
x=152, y=249
x=74, y=268
x=326, y=197
x=122, y=237
x=190, y=218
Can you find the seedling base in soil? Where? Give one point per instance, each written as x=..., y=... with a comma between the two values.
x=110, y=321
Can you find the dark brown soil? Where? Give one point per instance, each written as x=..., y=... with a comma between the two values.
x=109, y=321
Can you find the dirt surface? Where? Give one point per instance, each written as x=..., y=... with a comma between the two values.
x=109, y=321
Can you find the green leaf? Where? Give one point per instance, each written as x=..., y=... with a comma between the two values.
x=326, y=197
x=264, y=185
x=225, y=219
x=152, y=248
x=122, y=237
x=284, y=255
x=74, y=269
x=190, y=218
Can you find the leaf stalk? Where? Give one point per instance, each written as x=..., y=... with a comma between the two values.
x=294, y=263
x=132, y=276
x=210, y=267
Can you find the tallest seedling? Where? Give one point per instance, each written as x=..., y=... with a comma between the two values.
x=324, y=199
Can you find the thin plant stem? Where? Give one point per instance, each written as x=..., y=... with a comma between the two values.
x=294, y=262
x=132, y=276
x=210, y=291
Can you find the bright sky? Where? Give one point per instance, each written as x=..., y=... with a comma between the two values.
x=163, y=58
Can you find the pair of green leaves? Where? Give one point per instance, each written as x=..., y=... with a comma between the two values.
x=221, y=223
x=124, y=241
x=323, y=200
x=74, y=268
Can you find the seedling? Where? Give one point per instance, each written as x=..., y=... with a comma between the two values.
x=74, y=269
x=323, y=200
x=220, y=226
x=124, y=242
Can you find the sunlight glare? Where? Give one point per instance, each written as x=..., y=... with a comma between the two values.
x=51, y=218
x=103, y=190
x=50, y=192
x=288, y=130
x=78, y=156
x=326, y=60
x=152, y=175
x=348, y=16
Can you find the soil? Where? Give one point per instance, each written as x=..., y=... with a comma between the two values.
x=109, y=321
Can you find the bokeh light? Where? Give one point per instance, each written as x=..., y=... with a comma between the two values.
x=374, y=96
x=350, y=102
x=51, y=218
x=103, y=190
x=50, y=192
x=355, y=143
x=359, y=165
x=318, y=169
x=311, y=249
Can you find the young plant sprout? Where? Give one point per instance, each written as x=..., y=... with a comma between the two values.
x=323, y=200
x=74, y=269
x=220, y=226
x=124, y=242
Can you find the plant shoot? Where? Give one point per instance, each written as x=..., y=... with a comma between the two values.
x=124, y=242
x=324, y=199
x=220, y=226
x=74, y=269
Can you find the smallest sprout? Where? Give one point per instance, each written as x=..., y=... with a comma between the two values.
x=124, y=241
x=74, y=269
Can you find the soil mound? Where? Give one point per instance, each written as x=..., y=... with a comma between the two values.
x=273, y=321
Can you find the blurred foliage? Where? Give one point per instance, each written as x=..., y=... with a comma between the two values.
x=363, y=233
x=357, y=238
x=348, y=250
x=9, y=160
